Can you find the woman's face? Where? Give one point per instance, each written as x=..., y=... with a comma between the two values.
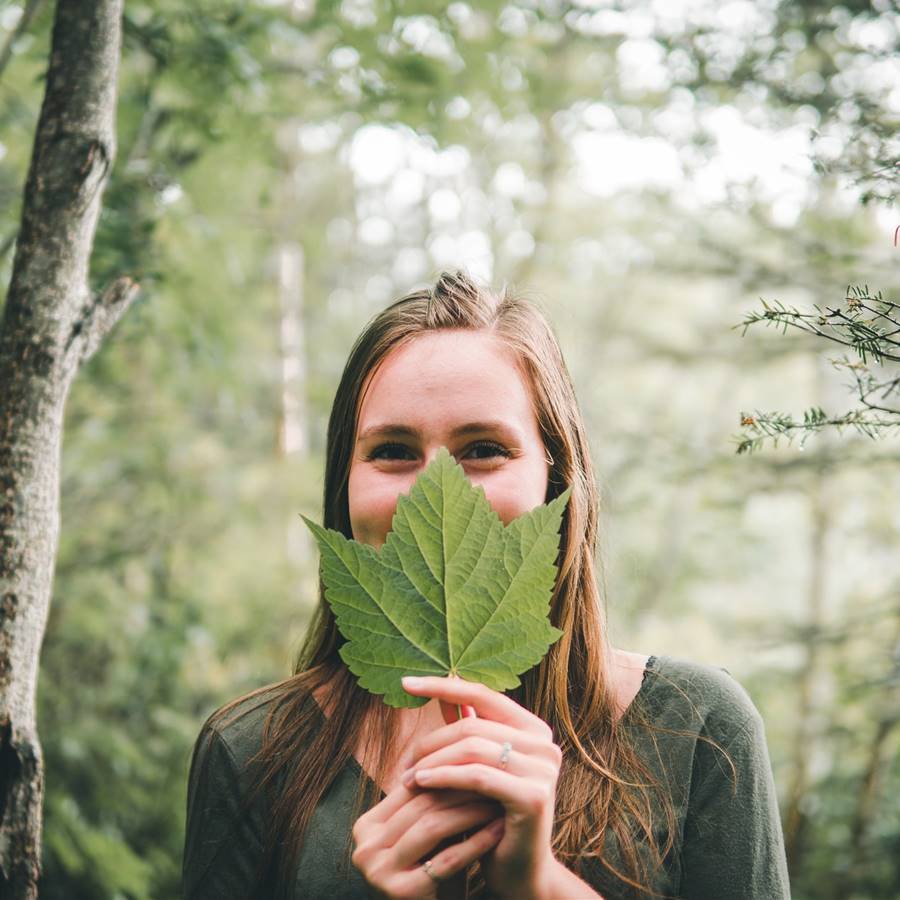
x=457, y=389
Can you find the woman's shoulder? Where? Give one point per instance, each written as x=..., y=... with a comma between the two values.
x=239, y=725
x=689, y=695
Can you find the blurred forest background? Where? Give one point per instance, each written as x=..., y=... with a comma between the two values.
x=648, y=172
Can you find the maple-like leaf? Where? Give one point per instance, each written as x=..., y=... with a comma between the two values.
x=451, y=592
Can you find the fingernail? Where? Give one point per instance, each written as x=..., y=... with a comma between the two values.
x=497, y=826
x=410, y=681
x=423, y=777
x=409, y=778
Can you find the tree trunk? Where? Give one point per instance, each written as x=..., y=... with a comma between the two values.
x=51, y=324
x=795, y=821
x=887, y=712
x=808, y=724
x=292, y=427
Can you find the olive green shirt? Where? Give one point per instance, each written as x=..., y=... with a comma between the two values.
x=727, y=836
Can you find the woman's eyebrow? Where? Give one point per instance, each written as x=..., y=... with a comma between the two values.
x=398, y=430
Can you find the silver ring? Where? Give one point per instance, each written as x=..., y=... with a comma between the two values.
x=428, y=866
x=505, y=750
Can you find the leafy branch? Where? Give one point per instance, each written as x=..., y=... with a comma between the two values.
x=867, y=324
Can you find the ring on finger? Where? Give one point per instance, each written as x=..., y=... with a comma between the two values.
x=428, y=866
x=505, y=751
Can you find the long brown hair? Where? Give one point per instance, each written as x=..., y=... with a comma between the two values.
x=604, y=788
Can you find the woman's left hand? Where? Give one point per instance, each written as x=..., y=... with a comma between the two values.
x=507, y=754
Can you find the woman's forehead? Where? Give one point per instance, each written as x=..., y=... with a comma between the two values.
x=446, y=362
x=467, y=376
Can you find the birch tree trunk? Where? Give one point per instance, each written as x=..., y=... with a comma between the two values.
x=51, y=325
x=292, y=427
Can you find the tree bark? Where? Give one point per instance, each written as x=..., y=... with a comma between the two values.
x=51, y=325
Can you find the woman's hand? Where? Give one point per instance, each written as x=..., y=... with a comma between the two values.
x=506, y=754
x=393, y=838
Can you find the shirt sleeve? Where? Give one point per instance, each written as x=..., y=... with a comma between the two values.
x=223, y=851
x=732, y=843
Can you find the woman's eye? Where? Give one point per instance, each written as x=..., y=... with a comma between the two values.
x=483, y=450
x=391, y=451
x=487, y=450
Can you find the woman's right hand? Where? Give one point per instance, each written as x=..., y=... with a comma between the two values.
x=396, y=837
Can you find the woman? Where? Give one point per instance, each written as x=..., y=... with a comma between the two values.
x=606, y=774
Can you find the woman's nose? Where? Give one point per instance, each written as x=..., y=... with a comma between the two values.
x=431, y=453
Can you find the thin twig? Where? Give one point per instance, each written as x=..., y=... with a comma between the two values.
x=22, y=26
x=8, y=243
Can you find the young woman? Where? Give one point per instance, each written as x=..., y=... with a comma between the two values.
x=606, y=774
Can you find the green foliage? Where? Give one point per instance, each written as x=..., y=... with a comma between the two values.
x=762, y=426
x=451, y=592
x=93, y=859
x=870, y=326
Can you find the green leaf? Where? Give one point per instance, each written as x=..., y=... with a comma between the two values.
x=452, y=591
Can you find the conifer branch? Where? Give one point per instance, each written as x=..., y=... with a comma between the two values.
x=866, y=323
